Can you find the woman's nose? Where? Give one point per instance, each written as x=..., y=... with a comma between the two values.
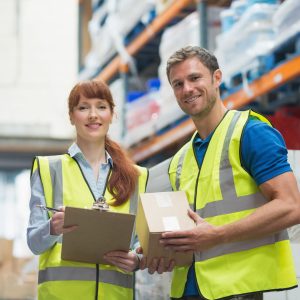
x=92, y=114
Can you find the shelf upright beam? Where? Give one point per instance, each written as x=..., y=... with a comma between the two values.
x=123, y=70
x=158, y=23
x=278, y=76
x=202, y=12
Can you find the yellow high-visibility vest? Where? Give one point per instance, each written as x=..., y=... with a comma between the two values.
x=64, y=184
x=222, y=192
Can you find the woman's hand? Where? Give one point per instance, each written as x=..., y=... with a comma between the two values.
x=57, y=223
x=126, y=261
x=159, y=265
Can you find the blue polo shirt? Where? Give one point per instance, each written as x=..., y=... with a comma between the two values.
x=263, y=155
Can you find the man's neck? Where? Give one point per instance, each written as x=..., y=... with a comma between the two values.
x=209, y=123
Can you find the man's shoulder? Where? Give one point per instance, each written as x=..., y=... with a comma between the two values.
x=263, y=151
x=255, y=128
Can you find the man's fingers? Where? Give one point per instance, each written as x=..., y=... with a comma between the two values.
x=174, y=242
x=194, y=216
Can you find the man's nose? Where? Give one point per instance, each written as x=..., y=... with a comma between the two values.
x=187, y=87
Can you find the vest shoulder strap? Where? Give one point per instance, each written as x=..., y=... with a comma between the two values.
x=159, y=178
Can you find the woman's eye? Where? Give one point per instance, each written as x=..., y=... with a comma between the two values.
x=102, y=107
x=82, y=108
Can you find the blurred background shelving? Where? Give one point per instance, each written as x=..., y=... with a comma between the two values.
x=259, y=66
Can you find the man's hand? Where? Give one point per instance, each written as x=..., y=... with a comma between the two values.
x=202, y=237
x=156, y=265
x=57, y=223
x=126, y=261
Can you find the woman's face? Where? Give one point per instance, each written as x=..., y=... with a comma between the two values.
x=91, y=118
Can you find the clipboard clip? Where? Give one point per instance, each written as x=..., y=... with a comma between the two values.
x=101, y=204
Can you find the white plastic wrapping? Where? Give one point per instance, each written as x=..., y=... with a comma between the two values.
x=252, y=36
x=108, y=27
x=286, y=20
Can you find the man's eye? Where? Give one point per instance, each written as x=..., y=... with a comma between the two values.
x=177, y=84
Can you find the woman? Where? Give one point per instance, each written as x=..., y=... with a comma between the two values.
x=94, y=167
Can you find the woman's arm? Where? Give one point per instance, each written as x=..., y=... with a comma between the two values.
x=39, y=238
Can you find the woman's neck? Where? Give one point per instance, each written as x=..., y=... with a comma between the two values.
x=93, y=153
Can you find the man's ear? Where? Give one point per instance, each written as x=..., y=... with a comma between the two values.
x=217, y=77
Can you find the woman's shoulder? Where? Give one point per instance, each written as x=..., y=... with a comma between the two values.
x=141, y=169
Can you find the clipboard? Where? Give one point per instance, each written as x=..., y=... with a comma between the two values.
x=98, y=232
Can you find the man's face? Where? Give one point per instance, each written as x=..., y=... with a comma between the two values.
x=195, y=88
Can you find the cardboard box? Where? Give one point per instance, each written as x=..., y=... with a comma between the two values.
x=14, y=286
x=6, y=251
x=17, y=281
x=161, y=212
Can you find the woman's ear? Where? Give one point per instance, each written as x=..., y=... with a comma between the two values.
x=114, y=117
x=71, y=119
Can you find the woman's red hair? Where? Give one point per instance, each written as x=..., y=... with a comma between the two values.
x=124, y=175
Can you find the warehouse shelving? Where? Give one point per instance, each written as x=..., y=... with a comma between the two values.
x=152, y=29
x=281, y=73
x=275, y=78
x=173, y=12
x=143, y=38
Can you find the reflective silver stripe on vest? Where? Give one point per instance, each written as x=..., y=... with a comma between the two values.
x=85, y=274
x=240, y=246
x=231, y=203
x=55, y=165
x=226, y=173
x=134, y=200
x=133, y=210
x=179, y=166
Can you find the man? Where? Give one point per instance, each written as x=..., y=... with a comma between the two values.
x=240, y=187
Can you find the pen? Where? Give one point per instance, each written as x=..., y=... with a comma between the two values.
x=47, y=208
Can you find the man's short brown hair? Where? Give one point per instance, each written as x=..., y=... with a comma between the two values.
x=205, y=57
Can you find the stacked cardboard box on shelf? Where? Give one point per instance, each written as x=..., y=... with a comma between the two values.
x=17, y=281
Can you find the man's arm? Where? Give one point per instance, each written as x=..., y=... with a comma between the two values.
x=281, y=212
